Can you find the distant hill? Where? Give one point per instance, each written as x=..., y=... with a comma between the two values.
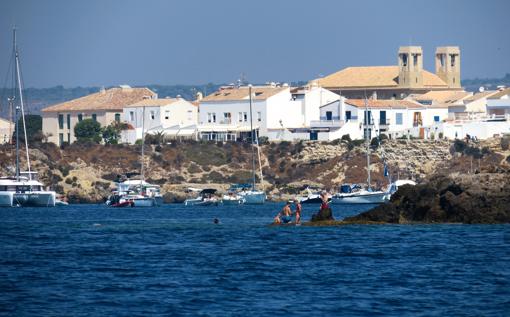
x=487, y=83
x=39, y=98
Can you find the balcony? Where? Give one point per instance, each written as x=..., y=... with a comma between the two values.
x=384, y=122
x=326, y=123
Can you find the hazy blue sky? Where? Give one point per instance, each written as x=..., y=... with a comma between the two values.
x=98, y=42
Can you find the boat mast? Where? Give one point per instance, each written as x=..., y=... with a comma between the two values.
x=367, y=141
x=20, y=88
x=252, y=138
x=143, y=145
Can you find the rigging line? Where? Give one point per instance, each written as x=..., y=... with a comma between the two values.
x=3, y=98
x=20, y=87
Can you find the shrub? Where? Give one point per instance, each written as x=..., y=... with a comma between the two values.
x=263, y=140
x=505, y=143
x=33, y=127
x=441, y=135
x=68, y=181
x=346, y=138
x=88, y=130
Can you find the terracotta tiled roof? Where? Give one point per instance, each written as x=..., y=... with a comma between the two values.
x=500, y=94
x=480, y=95
x=242, y=93
x=110, y=99
x=379, y=103
x=373, y=76
x=444, y=96
x=154, y=102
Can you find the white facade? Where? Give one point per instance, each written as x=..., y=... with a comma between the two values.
x=274, y=117
x=157, y=115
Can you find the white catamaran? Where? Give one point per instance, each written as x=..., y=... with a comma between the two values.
x=22, y=189
x=254, y=196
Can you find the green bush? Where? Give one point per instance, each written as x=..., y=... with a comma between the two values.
x=88, y=130
x=505, y=143
x=33, y=127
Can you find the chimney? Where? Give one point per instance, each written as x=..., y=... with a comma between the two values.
x=199, y=96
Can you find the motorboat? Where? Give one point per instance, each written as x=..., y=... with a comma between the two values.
x=135, y=193
x=354, y=194
x=206, y=197
x=232, y=198
x=312, y=198
x=253, y=197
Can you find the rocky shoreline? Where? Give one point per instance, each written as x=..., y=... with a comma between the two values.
x=86, y=173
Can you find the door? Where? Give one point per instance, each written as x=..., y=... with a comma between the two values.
x=382, y=117
x=329, y=115
x=347, y=115
x=314, y=136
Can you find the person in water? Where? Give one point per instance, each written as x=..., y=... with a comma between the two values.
x=284, y=216
x=298, y=210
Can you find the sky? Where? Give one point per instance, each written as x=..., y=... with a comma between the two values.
x=112, y=42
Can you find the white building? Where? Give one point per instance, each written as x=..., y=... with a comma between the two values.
x=498, y=105
x=6, y=130
x=279, y=112
x=394, y=118
x=166, y=115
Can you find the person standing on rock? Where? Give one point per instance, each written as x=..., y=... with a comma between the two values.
x=298, y=211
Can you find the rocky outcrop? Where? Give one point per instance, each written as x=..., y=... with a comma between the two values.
x=87, y=172
x=470, y=199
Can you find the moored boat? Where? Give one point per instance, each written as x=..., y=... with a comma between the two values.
x=206, y=197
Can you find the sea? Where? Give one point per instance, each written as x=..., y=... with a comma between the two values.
x=90, y=260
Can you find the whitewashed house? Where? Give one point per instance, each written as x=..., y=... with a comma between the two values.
x=279, y=112
x=498, y=105
x=168, y=115
x=394, y=118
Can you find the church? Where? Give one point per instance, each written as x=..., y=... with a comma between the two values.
x=398, y=82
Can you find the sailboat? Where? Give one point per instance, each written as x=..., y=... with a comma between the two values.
x=355, y=194
x=22, y=189
x=136, y=193
x=253, y=196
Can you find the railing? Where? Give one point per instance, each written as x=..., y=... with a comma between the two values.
x=326, y=123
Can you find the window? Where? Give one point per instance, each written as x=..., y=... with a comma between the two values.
x=80, y=117
x=415, y=59
x=398, y=118
x=153, y=115
x=348, y=115
x=368, y=117
x=245, y=116
x=190, y=115
x=209, y=117
x=404, y=59
x=259, y=116
x=68, y=121
x=436, y=119
x=131, y=116
x=382, y=117
x=60, y=138
x=69, y=138
x=60, y=121
x=329, y=115
x=452, y=56
x=94, y=117
x=214, y=117
x=117, y=117
x=258, y=94
x=227, y=116
x=441, y=59
x=167, y=114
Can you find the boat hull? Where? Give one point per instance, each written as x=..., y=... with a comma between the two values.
x=255, y=198
x=363, y=198
x=147, y=202
x=196, y=202
x=28, y=199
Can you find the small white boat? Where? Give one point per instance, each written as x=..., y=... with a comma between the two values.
x=205, y=197
x=361, y=197
x=135, y=193
x=253, y=197
x=232, y=199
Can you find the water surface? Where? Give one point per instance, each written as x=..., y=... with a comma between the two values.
x=89, y=260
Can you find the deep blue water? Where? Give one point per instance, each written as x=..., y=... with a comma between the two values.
x=91, y=261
